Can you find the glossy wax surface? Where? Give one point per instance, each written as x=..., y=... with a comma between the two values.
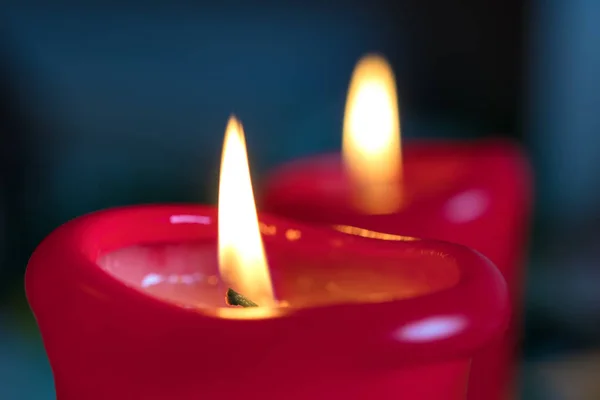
x=187, y=273
x=473, y=193
x=109, y=336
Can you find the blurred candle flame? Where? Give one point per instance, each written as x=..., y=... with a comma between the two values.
x=371, y=146
x=242, y=260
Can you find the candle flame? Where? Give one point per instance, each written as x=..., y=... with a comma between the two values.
x=242, y=260
x=371, y=140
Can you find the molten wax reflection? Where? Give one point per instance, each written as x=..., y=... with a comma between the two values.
x=353, y=230
x=186, y=274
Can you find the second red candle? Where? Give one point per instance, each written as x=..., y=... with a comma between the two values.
x=473, y=193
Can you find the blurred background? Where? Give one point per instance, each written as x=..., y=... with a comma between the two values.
x=106, y=106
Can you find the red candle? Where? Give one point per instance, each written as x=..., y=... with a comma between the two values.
x=130, y=304
x=473, y=193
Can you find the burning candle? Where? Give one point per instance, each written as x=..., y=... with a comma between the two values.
x=473, y=193
x=131, y=305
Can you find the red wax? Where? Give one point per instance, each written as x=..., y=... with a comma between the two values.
x=130, y=306
x=474, y=193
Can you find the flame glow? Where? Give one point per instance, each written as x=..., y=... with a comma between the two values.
x=355, y=231
x=371, y=140
x=242, y=260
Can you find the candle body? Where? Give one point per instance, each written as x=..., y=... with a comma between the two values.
x=476, y=194
x=444, y=381
x=129, y=306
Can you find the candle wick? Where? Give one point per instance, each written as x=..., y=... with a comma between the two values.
x=233, y=298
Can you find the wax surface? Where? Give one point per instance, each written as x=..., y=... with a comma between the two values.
x=187, y=274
